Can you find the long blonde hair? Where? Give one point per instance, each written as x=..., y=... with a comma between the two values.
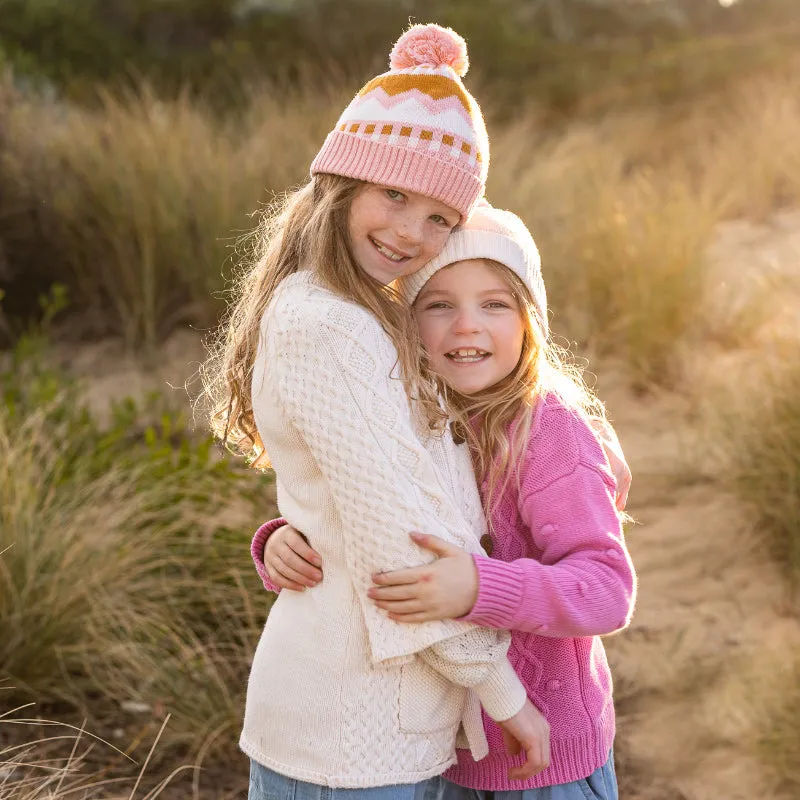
x=497, y=421
x=307, y=228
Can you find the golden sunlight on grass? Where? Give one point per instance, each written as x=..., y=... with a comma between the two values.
x=139, y=204
x=670, y=240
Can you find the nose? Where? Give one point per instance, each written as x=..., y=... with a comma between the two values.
x=410, y=229
x=466, y=322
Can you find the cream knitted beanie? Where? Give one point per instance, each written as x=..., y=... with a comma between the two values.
x=497, y=235
x=415, y=127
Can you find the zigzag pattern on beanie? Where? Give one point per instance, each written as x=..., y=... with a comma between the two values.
x=415, y=127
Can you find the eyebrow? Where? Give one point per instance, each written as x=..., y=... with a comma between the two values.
x=427, y=293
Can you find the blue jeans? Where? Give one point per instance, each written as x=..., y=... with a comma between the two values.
x=600, y=785
x=266, y=784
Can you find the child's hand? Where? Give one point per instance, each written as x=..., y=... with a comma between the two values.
x=529, y=732
x=291, y=563
x=445, y=589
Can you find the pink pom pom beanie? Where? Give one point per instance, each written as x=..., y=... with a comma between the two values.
x=490, y=233
x=415, y=127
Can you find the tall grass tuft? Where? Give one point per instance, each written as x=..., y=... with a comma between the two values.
x=623, y=241
x=781, y=742
x=766, y=458
x=59, y=763
x=139, y=202
x=124, y=568
x=752, y=160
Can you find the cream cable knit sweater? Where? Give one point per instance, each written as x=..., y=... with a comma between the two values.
x=338, y=694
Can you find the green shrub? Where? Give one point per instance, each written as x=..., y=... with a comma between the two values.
x=559, y=55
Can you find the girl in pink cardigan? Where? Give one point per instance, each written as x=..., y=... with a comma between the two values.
x=559, y=575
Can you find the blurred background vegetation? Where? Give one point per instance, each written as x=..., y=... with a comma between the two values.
x=558, y=53
x=158, y=125
x=138, y=139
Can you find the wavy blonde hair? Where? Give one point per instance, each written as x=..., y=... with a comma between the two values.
x=497, y=421
x=306, y=228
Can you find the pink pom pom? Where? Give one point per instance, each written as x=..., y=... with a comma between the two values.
x=430, y=46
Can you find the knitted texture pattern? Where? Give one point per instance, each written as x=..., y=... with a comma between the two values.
x=497, y=235
x=415, y=127
x=560, y=576
x=339, y=694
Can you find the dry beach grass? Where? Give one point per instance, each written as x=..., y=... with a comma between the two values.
x=671, y=256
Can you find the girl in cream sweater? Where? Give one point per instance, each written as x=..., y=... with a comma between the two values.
x=316, y=372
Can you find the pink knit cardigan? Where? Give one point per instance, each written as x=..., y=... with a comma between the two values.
x=558, y=578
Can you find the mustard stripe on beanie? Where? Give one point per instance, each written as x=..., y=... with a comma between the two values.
x=415, y=127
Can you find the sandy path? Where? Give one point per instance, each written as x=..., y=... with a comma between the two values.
x=709, y=652
x=695, y=672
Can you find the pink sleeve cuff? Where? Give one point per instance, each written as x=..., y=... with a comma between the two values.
x=499, y=593
x=257, y=550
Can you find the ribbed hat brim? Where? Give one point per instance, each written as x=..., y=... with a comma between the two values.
x=399, y=167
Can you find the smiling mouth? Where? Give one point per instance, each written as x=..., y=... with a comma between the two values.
x=392, y=255
x=467, y=355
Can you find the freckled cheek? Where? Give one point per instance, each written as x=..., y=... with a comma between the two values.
x=434, y=243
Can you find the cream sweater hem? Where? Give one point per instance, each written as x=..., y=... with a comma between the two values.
x=344, y=780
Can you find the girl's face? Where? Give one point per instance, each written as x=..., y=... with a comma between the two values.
x=394, y=233
x=471, y=325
